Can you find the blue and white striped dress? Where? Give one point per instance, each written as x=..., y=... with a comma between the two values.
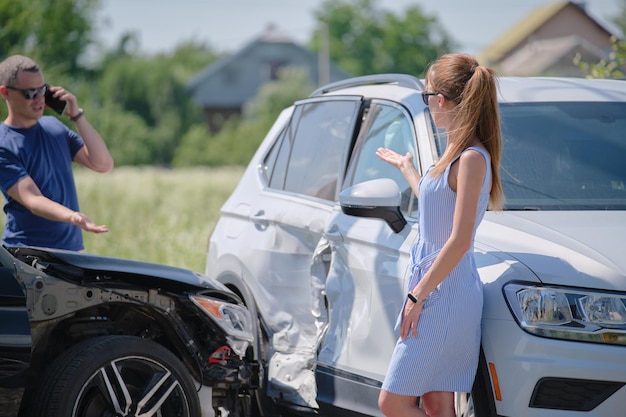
x=444, y=355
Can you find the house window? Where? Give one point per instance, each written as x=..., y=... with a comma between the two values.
x=274, y=68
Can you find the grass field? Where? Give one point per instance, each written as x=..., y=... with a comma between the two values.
x=156, y=215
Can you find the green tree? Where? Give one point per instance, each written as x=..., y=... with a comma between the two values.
x=366, y=40
x=130, y=140
x=56, y=33
x=151, y=89
x=614, y=67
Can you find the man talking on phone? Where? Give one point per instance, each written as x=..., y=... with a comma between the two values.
x=36, y=156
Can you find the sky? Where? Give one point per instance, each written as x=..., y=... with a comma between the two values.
x=228, y=25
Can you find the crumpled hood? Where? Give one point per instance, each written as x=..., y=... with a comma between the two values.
x=576, y=248
x=76, y=266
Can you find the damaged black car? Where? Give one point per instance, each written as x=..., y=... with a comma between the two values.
x=84, y=335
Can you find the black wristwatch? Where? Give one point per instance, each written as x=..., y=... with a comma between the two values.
x=414, y=299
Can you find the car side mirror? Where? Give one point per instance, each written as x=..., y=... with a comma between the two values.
x=379, y=198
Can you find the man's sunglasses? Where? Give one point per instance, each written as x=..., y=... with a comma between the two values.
x=31, y=93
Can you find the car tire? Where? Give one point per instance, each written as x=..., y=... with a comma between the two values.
x=483, y=404
x=116, y=375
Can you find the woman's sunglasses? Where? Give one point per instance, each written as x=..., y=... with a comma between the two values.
x=425, y=95
x=31, y=93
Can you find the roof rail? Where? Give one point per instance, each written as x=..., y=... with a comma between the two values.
x=403, y=80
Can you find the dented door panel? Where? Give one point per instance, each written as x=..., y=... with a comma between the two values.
x=365, y=289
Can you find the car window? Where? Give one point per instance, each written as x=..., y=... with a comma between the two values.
x=564, y=156
x=386, y=126
x=309, y=156
x=275, y=164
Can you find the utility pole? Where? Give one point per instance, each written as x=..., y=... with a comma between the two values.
x=323, y=61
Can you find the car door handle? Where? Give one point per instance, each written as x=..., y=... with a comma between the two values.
x=259, y=219
x=333, y=234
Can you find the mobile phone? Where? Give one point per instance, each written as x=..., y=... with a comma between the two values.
x=54, y=103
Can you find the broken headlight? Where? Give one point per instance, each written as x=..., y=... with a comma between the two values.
x=232, y=318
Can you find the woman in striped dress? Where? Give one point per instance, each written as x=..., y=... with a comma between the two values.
x=437, y=352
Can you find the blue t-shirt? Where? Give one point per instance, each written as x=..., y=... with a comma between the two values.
x=45, y=153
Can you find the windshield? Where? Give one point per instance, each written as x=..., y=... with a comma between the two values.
x=564, y=156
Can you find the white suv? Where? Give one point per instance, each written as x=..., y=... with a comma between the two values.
x=316, y=236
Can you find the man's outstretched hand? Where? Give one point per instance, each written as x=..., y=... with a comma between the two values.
x=82, y=221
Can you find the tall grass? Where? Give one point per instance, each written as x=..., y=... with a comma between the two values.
x=155, y=215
